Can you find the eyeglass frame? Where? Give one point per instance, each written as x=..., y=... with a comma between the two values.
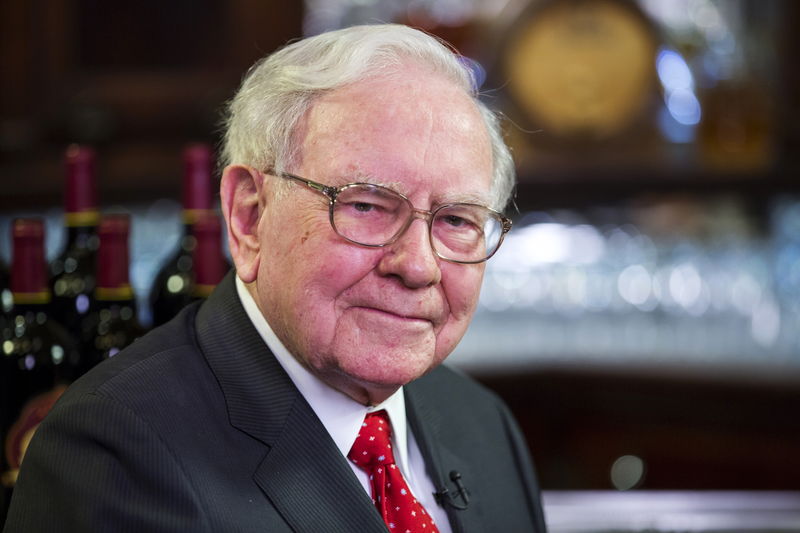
x=332, y=193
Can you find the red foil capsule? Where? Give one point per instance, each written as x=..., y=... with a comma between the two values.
x=80, y=197
x=113, y=260
x=198, y=193
x=209, y=264
x=28, y=271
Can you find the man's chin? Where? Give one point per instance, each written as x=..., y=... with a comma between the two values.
x=389, y=376
x=380, y=379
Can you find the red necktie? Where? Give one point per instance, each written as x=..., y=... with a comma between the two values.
x=372, y=452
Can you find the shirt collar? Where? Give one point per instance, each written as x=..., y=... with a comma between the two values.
x=341, y=415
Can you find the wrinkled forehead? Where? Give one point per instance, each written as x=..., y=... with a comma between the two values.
x=387, y=129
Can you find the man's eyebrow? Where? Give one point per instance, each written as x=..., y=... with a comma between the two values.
x=469, y=198
x=397, y=186
x=362, y=177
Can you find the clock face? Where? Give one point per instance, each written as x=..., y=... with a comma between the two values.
x=582, y=67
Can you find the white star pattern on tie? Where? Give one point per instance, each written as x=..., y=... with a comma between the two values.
x=372, y=453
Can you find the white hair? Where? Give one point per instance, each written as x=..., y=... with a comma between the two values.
x=280, y=88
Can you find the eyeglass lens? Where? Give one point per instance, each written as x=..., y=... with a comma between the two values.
x=374, y=215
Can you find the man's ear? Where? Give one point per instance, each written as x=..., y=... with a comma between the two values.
x=242, y=206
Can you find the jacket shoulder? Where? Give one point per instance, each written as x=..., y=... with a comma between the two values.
x=164, y=347
x=448, y=382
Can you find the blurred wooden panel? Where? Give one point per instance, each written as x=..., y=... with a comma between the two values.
x=136, y=80
x=696, y=434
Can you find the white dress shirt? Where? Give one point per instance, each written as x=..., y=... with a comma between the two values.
x=342, y=416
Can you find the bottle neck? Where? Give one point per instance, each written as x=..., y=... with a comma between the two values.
x=191, y=216
x=87, y=218
x=31, y=311
x=209, y=264
x=188, y=241
x=113, y=278
x=198, y=164
x=121, y=294
x=24, y=299
x=82, y=236
x=80, y=194
x=28, y=270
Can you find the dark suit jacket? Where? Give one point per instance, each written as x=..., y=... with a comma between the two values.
x=197, y=428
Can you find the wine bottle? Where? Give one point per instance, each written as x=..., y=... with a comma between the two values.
x=210, y=265
x=173, y=286
x=39, y=356
x=72, y=273
x=5, y=289
x=112, y=323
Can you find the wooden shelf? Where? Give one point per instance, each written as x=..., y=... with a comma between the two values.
x=571, y=188
x=694, y=434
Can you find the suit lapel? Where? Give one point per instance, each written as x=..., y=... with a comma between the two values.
x=303, y=473
x=307, y=478
x=430, y=431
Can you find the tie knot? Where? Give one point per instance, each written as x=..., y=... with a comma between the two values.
x=373, y=443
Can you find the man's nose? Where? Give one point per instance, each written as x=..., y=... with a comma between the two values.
x=411, y=257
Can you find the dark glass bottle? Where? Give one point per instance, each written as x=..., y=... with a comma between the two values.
x=111, y=324
x=5, y=289
x=173, y=286
x=72, y=273
x=210, y=265
x=39, y=356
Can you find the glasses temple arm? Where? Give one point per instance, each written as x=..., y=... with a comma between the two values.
x=328, y=191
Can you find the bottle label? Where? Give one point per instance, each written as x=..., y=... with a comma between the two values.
x=82, y=218
x=28, y=298
x=190, y=216
x=21, y=432
x=115, y=294
x=201, y=290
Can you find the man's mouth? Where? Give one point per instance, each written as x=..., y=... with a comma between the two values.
x=407, y=317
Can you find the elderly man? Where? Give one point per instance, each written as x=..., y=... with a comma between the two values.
x=362, y=195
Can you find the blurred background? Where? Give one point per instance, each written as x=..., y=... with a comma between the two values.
x=642, y=319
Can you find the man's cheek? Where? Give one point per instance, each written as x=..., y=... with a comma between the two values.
x=344, y=264
x=462, y=295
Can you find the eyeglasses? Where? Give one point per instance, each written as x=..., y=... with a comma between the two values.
x=376, y=216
